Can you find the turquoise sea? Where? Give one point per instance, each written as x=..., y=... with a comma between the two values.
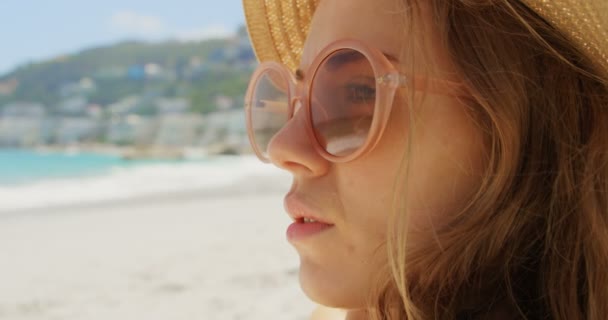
x=24, y=166
x=30, y=179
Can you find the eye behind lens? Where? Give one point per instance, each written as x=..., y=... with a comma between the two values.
x=344, y=98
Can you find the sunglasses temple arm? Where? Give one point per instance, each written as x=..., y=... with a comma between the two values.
x=430, y=85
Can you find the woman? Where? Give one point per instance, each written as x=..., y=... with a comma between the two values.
x=449, y=157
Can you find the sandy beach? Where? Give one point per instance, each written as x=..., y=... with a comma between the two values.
x=213, y=253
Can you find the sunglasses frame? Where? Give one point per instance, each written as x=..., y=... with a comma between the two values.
x=388, y=80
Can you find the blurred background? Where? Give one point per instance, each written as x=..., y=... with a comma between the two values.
x=128, y=189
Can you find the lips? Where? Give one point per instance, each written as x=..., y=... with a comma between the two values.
x=307, y=222
x=300, y=212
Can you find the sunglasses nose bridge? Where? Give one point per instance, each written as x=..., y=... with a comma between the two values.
x=296, y=104
x=299, y=94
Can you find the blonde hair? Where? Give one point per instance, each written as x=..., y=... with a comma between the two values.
x=532, y=242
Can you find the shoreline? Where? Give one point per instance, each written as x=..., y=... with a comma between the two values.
x=264, y=185
x=151, y=152
x=117, y=183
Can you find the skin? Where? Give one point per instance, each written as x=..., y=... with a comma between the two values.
x=445, y=158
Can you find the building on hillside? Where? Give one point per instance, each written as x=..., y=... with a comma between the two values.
x=76, y=130
x=172, y=105
x=125, y=106
x=225, y=130
x=132, y=129
x=73, y=106
x=82, y=87
x=23, y=124
x=23, y=109
x=136, y=72
x=223, y=102
x=179, y=130
x=21, y=132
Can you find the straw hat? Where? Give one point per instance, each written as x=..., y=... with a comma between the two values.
x=278, y=28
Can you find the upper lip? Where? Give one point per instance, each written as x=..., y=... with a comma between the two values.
x=298, y=209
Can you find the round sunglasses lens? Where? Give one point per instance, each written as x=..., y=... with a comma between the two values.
x=269, y=107
x=342, y=100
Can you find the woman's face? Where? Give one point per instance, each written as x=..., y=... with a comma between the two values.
x=355, y=199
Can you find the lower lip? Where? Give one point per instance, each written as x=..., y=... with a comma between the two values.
x=299, y=230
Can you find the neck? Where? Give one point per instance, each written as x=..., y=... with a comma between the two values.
x=356, y=314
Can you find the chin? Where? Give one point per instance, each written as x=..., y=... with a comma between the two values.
x=331, y=289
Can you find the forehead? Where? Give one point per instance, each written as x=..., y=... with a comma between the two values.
x=376, y=22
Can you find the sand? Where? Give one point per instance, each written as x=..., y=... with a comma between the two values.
x=208, y=254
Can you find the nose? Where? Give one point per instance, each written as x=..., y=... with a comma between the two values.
x=292, y=148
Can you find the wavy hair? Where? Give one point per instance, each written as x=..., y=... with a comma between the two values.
x=532, y=242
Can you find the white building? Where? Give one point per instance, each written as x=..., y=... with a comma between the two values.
x=172, y=105
x=77, y=105
x=24, y=109
x=21, y=131
x=179, y=129
x=125, y=105
x=75, y=130
x=84, y=86
x=132, y=129
x=226, y=129
x=23, y=124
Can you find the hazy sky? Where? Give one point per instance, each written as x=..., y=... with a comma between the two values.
x=31, y=30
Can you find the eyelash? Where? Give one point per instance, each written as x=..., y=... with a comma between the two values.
x=360, y=93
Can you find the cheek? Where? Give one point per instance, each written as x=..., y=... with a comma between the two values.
x=368, y=185
x=435, y=171
x=366, y=201
x=367, y=190
x=446, y=167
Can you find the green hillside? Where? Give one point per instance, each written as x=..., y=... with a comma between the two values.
x=199, y=71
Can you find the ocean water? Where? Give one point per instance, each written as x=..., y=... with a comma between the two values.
x=19, y=167
x=31, y=180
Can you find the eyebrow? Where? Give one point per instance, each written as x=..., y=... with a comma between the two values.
x=299, y=72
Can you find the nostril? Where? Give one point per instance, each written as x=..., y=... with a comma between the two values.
x=297, y=167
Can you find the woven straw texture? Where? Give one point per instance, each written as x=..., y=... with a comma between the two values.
x=278, y=28
x=584, y=21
